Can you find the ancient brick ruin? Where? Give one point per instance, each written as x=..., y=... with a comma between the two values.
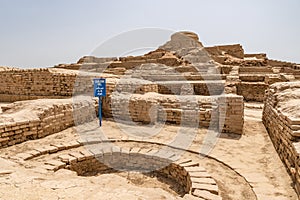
x=281, y=118
x=181, y=84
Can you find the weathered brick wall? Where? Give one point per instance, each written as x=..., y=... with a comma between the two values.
x=278, y=63
x=197, y=87
x=47, y=117
x=36, y=82
x=252, y=91
x=28, y=84
x=284, y=129
x=188, y=110
x=188, y=76
x=184, y=110
x=131, y=107
x=133, y=85
x=252, y=77
x=17, y=84
x=148, y=108
x=255, y=70
x=231, y=113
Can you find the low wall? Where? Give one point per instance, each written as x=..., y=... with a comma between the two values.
x=197, y=87
x=231, y=113
x=255, y=70
x=189, y=76
x=134, y=85
x=36, y=82
x=28, y=84
x=39, y=118
x=51, y=116
x=252, y=91
x=189, y=111
x=15, y=97
x=278, y=63
x=283, y=126
x=252, y=77
x=207, y=111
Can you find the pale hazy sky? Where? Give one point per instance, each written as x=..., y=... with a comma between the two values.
x=41, y=33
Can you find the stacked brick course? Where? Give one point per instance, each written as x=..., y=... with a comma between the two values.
x=35, y=82
x=227, y=110
x=46, y=118
x=28, y=84
x=284, y=127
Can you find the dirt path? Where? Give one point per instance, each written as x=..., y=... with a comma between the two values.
x=254, y=157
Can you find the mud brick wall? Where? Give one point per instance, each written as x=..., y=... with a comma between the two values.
x=183, y=110
x=255, y=70
x=174, y=87
x=252, y=77
x=284, y=131
x=159, y=72
x=231, y=113
x=35, y=82
x=273, y=78
x=179, y=174
x=28, y=84
x=84, y=84
x=252, y=91
x=188, y=76
x=137, y=86
x=209, y=88
x=46, y=120
x=129, y=107
x=188, y=111
x=278, y=63
x=191, y=87
x=120, y=104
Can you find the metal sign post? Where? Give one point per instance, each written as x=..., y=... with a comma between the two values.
x=100, y=110
x=100, y=91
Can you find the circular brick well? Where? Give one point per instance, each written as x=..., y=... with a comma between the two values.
x=120, y=161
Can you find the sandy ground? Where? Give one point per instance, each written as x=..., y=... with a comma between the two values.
x=245, y=167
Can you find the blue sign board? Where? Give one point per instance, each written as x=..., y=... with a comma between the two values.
x=99, y=87
x=100, y=91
